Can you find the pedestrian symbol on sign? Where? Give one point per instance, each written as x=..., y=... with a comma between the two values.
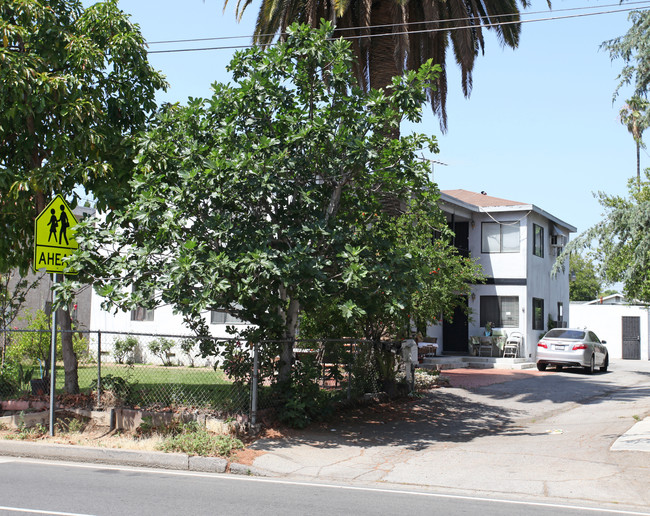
x=54, y=236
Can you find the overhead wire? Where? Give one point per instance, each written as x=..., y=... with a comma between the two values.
x=425, y=22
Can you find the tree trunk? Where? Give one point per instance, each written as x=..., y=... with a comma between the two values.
x=69, y=357
x=382, y=59
x=286, y=356
x=638, y=164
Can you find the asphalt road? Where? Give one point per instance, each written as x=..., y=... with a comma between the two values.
x=66, y=489
x=537, y=445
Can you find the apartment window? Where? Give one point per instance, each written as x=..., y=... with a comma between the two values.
x=538, y=314
x=500, y=237
x=538, y=240
x=221, y=317
x=140, y=313
x=500, y=311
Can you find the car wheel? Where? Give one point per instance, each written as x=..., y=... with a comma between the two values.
x=541, y=367
x=603, y=368
x=590, y=368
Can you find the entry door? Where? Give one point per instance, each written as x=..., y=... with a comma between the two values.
x=455, y=333
x=632, y=338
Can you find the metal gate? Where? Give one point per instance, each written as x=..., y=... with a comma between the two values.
x=631, y=338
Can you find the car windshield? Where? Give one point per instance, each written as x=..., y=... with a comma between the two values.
x=565, y=334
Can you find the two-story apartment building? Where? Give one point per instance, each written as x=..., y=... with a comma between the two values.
x=516, y=244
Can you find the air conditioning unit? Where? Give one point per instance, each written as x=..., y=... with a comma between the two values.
x=558, y=240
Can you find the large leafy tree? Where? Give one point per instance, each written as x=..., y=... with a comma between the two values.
x=265, y=198
x=391, y=36
x=585, y=284
x=76, y=88
x=621, y=241
x=634, y=49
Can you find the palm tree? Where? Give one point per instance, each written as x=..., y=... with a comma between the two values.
x=391, y=36
x=634, y=116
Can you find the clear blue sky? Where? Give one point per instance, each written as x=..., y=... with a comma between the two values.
x=538, y=128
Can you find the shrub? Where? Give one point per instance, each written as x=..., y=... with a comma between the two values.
x=124, y=349
x=187, y=347
x=34, y=346
x=302, y=399
x=193, y=439
x=426, y=379
x=161, y=347
x=121, y=388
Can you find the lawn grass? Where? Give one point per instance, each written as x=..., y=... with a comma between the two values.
x=169, y=386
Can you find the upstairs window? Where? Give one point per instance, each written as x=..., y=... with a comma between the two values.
x=538, y=240
x=500, y=237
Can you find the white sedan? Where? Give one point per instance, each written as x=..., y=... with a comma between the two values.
x=572, y=347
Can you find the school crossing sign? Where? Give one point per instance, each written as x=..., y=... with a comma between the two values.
x=54, y=236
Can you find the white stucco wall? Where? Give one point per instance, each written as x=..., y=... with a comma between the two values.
x=606, y=322
x=165, y=322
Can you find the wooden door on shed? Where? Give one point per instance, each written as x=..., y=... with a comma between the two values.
x=631, y=338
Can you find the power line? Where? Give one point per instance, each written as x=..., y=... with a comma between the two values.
x=470, y=26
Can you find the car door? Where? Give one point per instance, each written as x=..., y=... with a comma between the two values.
x=599, y=349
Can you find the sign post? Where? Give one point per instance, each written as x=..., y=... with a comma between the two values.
x=54, y=241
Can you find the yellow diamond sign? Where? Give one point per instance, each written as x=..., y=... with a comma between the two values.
x=54, y=236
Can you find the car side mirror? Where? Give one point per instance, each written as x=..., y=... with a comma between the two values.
x=603, y=342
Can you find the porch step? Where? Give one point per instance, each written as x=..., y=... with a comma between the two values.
x=441, y=363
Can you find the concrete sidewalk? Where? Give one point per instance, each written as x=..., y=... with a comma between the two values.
x=493, y=433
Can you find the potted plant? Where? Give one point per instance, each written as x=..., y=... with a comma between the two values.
x=488, y=329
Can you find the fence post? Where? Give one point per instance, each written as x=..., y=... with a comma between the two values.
x=99, y=368
x=256, y=363
x=349, y=353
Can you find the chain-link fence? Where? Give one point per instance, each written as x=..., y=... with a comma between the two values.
x=149, y=370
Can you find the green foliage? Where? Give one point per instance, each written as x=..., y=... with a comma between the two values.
x=193, y=439
x=188, y=347
x=587, y=284
x=8, y=385
x=302, y=400
x=124, y=349
x=122, y=388
x=271, y=195
x=76, y=87
x=161, y=347
x=13, y=294
x=34, y=346
x=634, y=49
x=621, y=241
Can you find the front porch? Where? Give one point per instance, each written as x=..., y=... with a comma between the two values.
x=473, y=362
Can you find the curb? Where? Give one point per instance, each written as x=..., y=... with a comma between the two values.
x=112, y=456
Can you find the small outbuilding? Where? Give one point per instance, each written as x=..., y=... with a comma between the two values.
x=625, y=325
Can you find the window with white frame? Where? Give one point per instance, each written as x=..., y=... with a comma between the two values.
x=500, y=311
x=223, y=317
x=500, y=237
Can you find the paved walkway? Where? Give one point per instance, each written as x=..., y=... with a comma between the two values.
x=473, y=378
x=541, y=436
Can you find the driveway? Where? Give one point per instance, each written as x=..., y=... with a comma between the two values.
x=544, y=436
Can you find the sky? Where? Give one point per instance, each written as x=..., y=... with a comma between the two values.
x=539, y=127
